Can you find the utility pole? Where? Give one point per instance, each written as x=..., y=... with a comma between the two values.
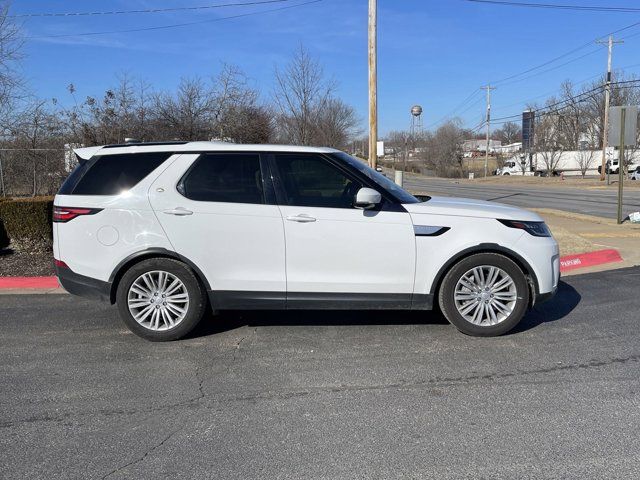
x=607, y=101
x=373, y=83
x=488, y=88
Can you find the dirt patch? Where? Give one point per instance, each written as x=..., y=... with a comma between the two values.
x=571, y=243
x=25, y=264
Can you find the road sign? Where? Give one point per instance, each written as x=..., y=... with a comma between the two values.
x=630, y=126
x=380, y=148
x=528, y=130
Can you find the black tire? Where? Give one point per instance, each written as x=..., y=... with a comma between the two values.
x=448, y=286
x=196, y=293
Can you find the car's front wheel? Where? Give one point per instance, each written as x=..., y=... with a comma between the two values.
x=485, y=294
x=160, y=299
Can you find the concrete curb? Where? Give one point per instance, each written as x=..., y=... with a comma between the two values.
x=16, y=285
x=28, y=283
x=589, y=259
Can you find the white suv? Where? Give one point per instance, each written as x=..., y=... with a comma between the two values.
x=169, y=230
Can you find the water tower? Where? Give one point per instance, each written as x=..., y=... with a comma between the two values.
x=416, y=120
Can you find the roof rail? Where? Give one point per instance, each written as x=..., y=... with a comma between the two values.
x=136, y=143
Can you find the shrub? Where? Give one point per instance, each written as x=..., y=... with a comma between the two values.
x=28, y=222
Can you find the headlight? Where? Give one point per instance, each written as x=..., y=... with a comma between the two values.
x=537, y=229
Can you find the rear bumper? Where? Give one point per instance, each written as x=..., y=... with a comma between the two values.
x=82, y=286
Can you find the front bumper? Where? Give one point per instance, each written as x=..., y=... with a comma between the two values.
x=543, y=297
x=82, y=286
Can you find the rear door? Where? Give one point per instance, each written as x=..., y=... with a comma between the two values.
x=219, y=212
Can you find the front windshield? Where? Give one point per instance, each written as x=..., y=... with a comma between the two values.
x=402, y=195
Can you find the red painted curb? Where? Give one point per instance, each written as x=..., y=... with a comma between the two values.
x=28, y=282
x=581, y=260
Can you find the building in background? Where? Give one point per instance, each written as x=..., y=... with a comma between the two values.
x=472, y=148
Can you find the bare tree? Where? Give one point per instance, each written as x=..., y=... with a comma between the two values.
x=237, y=114
x=10, y=54
x=188, y=115
x=570, y=121
x=547, y=138
x=301, y=94
x=586, y=159
x=399, y=141
x=36, y=143
x=336, y=124
x=445, y=149
x=509, y=133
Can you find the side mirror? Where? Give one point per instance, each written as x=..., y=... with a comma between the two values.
x=367, y=198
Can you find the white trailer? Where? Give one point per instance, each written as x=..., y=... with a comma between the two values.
x=564, y=163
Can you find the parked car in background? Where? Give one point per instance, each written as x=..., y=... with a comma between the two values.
x=167, y=231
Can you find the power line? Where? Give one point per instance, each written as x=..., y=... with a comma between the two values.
x=554, y=104
x=514, y=78
x=556, y=6
x=455, y=110
x=553, y=68
x=587, y=94
x=149, y=10
x=567, y=54
x=548, y=62
x=577, y=84
x=175, y=25
x=511, y=79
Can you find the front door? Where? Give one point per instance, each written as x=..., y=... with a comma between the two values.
x=333, y=247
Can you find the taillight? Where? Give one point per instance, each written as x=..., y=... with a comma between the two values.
x=60, y=263
x=64, y=214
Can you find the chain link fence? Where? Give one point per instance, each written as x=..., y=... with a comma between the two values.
x=32, y=172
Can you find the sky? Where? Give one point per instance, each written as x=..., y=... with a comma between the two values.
x=435, y=53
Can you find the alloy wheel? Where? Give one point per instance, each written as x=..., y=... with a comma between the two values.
x=158, y=300
x=485, y=295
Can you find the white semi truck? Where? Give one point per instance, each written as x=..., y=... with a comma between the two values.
x=566, y=162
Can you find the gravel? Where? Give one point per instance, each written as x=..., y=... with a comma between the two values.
x=25, y=264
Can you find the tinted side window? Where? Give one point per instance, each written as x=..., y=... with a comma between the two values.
x=73, y=179
x=312, y=181
x=113, y=174
x=224, y=177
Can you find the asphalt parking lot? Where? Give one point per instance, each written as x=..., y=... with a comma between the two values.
x=324, y=395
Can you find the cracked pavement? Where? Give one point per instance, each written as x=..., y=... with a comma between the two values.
x=324, y=394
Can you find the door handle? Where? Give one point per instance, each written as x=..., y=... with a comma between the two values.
x=302, y=218
x=178, y=211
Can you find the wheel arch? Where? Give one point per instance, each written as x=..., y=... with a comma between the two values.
x=528, y=270
x=134, y=258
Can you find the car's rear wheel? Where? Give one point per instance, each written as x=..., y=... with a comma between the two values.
x=485, y=294
x=160, y=299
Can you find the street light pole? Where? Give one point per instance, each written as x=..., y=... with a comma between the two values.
x=373, y=83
